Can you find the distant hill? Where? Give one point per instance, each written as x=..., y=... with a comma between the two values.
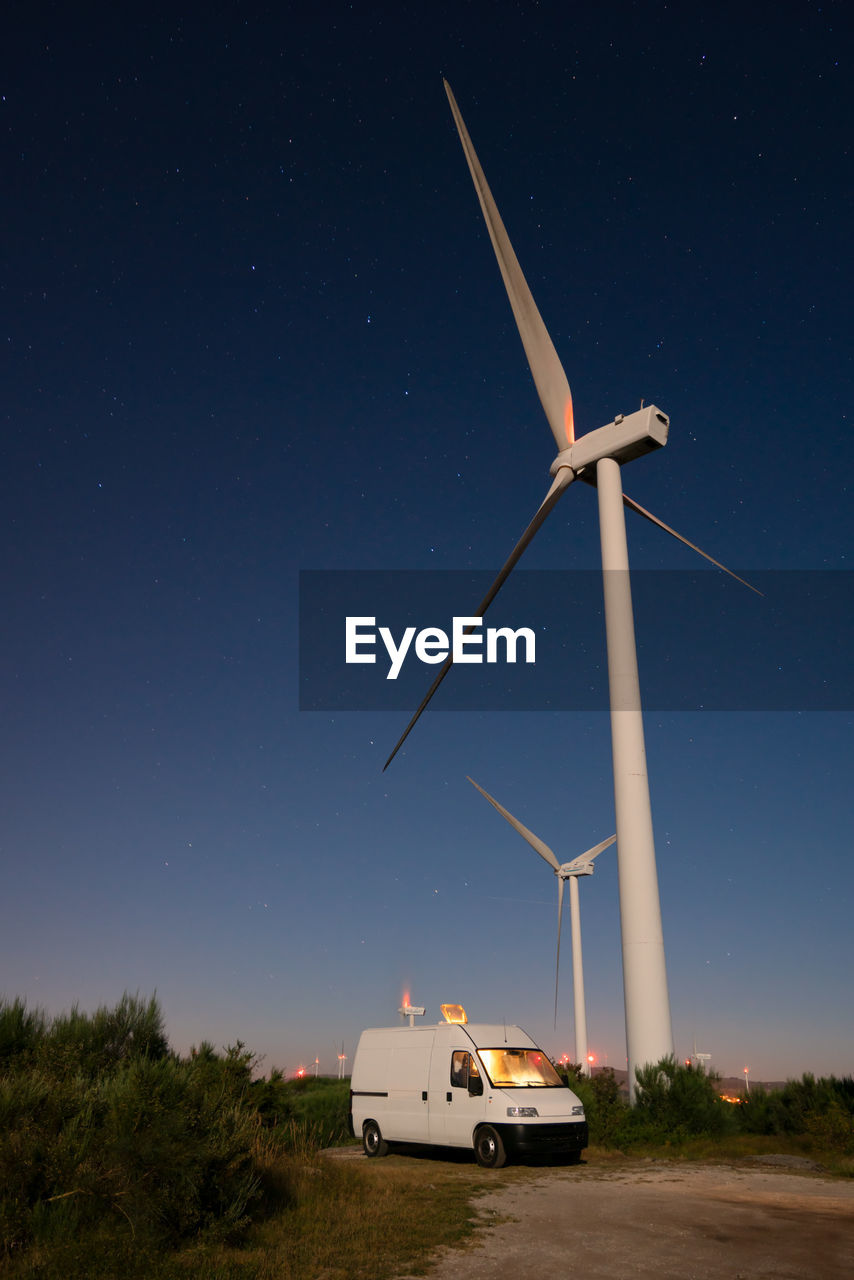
x=735, y=1085
x=732, y=1086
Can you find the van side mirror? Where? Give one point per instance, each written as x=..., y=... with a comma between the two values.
x=475, y=1086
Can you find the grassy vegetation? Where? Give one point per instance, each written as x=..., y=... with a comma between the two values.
x=334, y=1220
x=679, y=1110
x=118, y=1157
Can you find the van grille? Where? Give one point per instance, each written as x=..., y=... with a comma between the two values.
x=547, y=1137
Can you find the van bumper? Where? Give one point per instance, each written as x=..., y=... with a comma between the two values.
x=545, y=1139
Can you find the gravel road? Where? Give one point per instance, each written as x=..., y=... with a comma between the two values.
x=658, y=1219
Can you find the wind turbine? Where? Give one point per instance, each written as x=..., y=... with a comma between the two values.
x=699, y=1059
x=580, y=866
x=596, y=458
x=342, y=1058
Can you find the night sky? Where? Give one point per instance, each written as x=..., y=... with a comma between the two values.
x=251, y=325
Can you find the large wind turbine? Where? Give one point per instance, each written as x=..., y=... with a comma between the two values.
x=580, y=866
x=597, y=458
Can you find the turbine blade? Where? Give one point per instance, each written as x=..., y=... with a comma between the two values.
x=591, y=853
x=549, y=377
x=534, y=841
x=559, y=919
x=647, y=515
x=561, y=481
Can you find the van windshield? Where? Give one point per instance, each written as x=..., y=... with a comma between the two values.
x=519, y=1068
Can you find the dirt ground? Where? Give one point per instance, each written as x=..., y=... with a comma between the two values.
x=656, y=1219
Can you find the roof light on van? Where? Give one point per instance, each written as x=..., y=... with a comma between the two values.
x=453, y=1013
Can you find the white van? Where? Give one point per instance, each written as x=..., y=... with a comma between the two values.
x=459, y=1084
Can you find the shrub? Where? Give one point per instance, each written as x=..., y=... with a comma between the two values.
x=805, y=1106
x=610, y=1111
x=606, y=1110
x=832, y=1129
x=21, y=1031
x=675, y=1101
x=106, y=1133
x=93, y=1043
x=100, y=1124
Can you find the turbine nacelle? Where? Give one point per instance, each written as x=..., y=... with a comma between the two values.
x=570, y=869
x=628, y=437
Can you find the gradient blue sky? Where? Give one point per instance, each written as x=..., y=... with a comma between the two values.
x=252, y=324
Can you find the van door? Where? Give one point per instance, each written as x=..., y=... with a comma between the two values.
x=405, y=1114
x=457, y=1099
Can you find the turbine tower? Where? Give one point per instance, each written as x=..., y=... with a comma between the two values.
x=597, y=458
x=580, y=866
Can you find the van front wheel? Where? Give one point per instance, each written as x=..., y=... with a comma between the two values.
x=372, y=1139
x=488, y=1148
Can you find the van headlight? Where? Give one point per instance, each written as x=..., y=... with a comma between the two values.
x=578, y=1111
x=522, y=1113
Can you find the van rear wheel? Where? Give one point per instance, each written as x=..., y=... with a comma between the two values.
x=372, y=1140
x=488, y=1148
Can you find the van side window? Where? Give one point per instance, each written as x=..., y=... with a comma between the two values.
x=460, y=1069
x=464, y=1072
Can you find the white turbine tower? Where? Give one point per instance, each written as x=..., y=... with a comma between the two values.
x=580, y=866
x=597, y=458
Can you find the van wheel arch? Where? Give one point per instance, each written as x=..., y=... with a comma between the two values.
x=489, y=1149
x=372, y=1139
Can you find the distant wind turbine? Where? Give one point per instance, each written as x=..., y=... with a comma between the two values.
x=596, y=458
x=580, y=866
x=699, y=1059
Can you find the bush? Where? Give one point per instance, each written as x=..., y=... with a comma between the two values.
x=610, y=1111
x=805, y=1106
x=674, y=1102
x=21, y=1031
x=101, y=1125
x=606, y=1110
x=677, y=1103
x=79, y=1042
